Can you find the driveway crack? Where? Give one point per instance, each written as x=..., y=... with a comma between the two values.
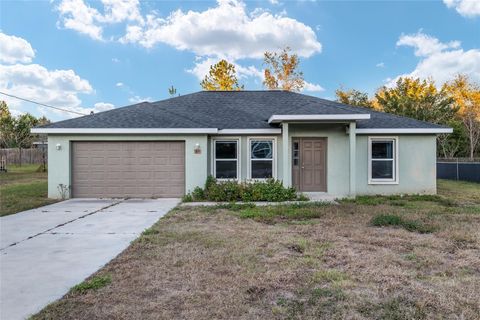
x=63, y=224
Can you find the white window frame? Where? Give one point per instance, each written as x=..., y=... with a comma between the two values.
x=214, y=158
x=249, y=157
x=395, y=179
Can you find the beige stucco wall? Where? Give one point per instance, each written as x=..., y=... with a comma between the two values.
x=416, y=161
x=59, y=161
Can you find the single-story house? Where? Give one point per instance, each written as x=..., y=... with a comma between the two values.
x=169, y=147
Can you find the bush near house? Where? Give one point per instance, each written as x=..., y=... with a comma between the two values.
x=269, y=190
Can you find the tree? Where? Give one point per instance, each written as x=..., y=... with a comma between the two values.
x=172, y=91
x=43, y=138
x=353, y=97
x=452, y=145
x=6, y=126
x=418, y=99
x=221, y=77
x=21, y=132
x=282, y=71
x=466, y=96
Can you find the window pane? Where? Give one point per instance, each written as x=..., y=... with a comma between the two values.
x=262, y=169
x=382, y=149
x=226, y=169
x=261, y=149
x=226, y=149
x=382, y=169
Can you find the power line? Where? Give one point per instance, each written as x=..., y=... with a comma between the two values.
x=42, y=104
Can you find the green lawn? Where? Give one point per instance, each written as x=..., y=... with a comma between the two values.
x=411, y=257
x=23, y=188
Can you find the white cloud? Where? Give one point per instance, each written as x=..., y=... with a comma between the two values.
x=273, y=1
x=115, y=60
x=424, y=44
x=443, y=61
x=119, y=84
x=228, y=30
x=380, y=65
x=116, y=11
x=14, y=49
x=97, y=107
x=466, y=8
x=79, y=16
x=202, y=67
x=138, y=99
x=102, y=106
x=312, y=87
x=59, y=88
x=35, y=82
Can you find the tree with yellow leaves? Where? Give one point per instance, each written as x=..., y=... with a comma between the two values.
x=221, y=77
x=418, y=99
x=466, y=96
x=353, y=97
x=282, y=71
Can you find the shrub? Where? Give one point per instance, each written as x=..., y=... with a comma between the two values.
x=187, y=198
x=224, y=191
x=198, y=194
x=211, y=181
x=269, y=190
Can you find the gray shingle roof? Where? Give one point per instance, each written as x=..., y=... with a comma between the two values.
x=230, y=110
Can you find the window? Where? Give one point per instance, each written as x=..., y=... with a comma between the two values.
x=261, y=153
x=226, y=159
x=383, y=164
x=296, y=153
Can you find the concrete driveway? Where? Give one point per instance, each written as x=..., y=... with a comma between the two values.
x=46, y=251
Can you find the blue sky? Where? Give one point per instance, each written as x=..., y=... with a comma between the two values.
x=98, y=55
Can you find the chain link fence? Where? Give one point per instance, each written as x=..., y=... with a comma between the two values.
x=463, y=169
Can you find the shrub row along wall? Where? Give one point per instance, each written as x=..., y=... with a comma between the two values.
x=465, y=171
x=28, y=156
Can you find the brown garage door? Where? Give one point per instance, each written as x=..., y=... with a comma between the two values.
x=128, y=169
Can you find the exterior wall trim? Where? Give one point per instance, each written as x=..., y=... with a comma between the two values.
x=125, y=130
x=405, y=131
x=277, y=118
x=250, y=131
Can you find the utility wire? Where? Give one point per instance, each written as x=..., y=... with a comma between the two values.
x=42, y=104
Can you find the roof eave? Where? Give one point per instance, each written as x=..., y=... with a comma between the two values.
x=125, y=130
x=403, y=130
x=278, y=118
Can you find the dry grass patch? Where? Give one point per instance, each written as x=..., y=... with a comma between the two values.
x=300, y=262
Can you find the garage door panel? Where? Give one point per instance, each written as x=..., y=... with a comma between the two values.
x=128, y=169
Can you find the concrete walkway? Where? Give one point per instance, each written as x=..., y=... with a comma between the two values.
x=46, y=251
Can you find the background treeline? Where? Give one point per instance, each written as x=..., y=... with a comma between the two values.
x=15, y=131
x=456, y=104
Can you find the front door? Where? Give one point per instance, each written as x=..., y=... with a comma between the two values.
x=309, y=164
